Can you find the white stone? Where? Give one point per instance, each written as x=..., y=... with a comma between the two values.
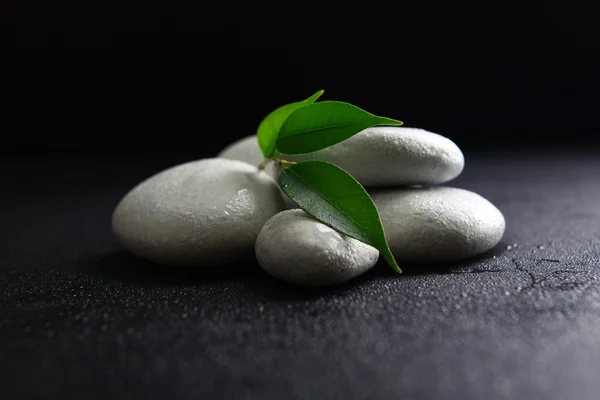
x=296, y=248
x=394, y=156
x=202, y=213
x=438, y=224
x=246, y=150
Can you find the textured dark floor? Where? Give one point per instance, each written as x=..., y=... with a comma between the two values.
x=81, y=319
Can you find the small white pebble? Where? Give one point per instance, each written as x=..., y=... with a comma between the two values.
x=294, y=247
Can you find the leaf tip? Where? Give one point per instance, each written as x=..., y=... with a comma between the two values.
x=314, y=97
x=393, y=264
x=389, y=257
x=392, y=122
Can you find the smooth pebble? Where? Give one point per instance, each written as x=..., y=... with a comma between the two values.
x=393, y=156
x=202, y=213
x=296, y=248
x=438, y=224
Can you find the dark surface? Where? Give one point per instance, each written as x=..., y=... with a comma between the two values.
x=81, y=319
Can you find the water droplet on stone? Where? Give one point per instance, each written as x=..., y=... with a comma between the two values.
x=541, y=247
x=509, y=247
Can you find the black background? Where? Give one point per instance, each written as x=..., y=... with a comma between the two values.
x=189, y=78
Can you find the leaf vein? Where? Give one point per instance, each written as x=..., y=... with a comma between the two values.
x=319, y=129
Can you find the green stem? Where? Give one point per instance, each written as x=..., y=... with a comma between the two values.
x=284, y=163
x=263, y=164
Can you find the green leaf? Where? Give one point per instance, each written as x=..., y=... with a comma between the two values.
x=324, y=124
x=335, y=198
x=269, y=128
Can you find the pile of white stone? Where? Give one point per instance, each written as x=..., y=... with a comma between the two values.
x=217, y=211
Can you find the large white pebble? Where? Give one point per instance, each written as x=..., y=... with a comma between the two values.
x=296, y=248
x=202, y=213
x=393, y=156
x=247, y=150
x=438, y=224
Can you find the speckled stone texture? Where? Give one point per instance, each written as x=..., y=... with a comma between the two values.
x=202, y=214
x=438, y=223
x=296, y=248
x=80, y=318
x=394, y=156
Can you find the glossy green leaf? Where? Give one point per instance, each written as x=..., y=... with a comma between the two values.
x=335, y=198
x=324, y=124
x=269, y=128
